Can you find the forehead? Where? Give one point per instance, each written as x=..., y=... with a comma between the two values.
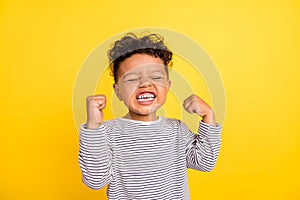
x=140, y=62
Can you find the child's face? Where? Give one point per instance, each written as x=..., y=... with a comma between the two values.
x=143, y=85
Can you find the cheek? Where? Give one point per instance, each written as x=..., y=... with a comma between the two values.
x=127, y=93
x=163, y=93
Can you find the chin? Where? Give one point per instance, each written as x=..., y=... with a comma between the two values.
x=145, y=111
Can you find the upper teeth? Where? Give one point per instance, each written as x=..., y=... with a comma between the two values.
x=144, y=96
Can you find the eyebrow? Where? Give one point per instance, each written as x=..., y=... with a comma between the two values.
x=129, y=74
x=134, y=73
x=160, y=71
x=137, y=74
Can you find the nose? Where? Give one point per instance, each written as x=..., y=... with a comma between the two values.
x=145, y=81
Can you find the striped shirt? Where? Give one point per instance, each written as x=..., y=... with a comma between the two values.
x=146, y=160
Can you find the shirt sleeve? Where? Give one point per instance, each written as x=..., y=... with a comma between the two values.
x=202, y=150
x=95, y=156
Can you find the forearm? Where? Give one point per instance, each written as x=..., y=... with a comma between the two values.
x=203, y=152
x=94, y=157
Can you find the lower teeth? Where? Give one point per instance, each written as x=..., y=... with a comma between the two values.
x=143, y=100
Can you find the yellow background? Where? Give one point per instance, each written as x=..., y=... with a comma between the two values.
x=254, y=44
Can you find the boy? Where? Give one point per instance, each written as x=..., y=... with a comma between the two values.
x=142, y=155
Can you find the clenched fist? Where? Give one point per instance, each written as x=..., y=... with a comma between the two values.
x=194, y=104
x=94, y=106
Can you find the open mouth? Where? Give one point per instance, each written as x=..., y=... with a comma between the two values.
x=145, y=97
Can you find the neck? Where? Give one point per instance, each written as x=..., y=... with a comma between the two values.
x=145, y=118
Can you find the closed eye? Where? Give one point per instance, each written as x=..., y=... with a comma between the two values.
x=157, y=78
x=131, y=80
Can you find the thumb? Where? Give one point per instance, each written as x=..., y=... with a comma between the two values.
x=197, y=110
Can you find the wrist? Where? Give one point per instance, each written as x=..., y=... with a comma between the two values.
x=209, y=118
x=92, y=125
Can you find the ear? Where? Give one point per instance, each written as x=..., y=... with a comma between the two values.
x=169, y=84
x=117, y=92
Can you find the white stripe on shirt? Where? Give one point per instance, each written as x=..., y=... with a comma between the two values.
x=146, y=160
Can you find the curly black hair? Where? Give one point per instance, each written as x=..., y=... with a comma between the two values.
x=130, y=44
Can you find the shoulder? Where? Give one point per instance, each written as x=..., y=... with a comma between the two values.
x=109, y=124
x=170, y=120
x=176, y=123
